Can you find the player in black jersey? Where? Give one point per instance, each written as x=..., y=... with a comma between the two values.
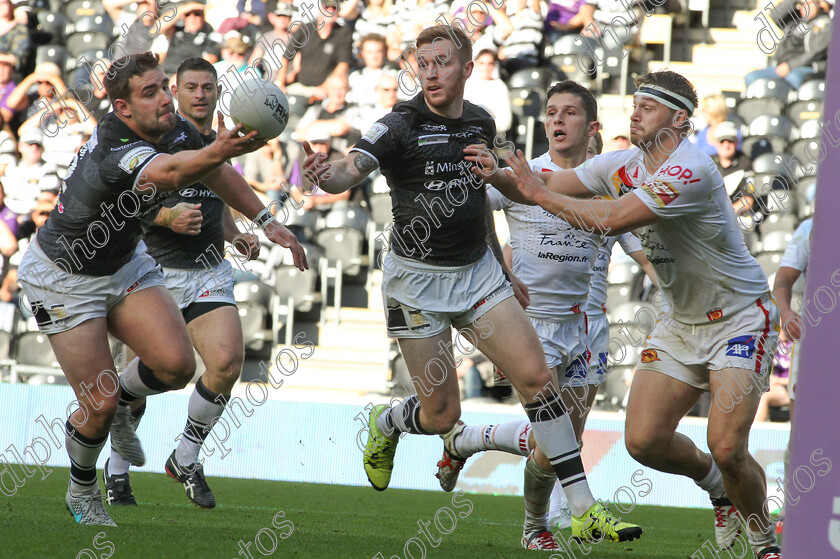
x=88, y=274
x=440, y=273
x=185, y=235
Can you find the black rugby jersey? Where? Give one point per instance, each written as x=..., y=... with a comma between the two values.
x=96, y=225
x=177, y=250
x=439, y=206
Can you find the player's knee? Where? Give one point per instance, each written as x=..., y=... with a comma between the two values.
x=180, y=368
x=532, y=384
x=640, y=447
x=729, y=457
x=442, y=422
x=99, y=418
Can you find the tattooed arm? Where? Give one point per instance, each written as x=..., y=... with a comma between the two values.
x=336, y=177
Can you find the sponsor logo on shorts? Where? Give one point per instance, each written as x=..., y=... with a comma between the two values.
x=578, y=368
x=495, y=293
x=146, y=277
x=375, y=132
x=715, y=314
x=418, y=320
x=662, y=192
x=576, y=308
x=649, y=356
x=432, y=139
x=217, y=292
x=742, y=346
x=602, y=363
x=56, y=314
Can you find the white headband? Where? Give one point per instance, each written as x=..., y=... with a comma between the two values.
x=666, y=97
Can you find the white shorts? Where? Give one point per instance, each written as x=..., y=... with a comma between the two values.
x=686, y=352
x=599, y=345
x=564, y=344
x=61, y=301
x=201, y=285
x=422, y=300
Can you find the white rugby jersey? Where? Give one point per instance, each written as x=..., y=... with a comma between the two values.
x=697, y=250
x=796, y=253
x=550, y=256
x=598, y=285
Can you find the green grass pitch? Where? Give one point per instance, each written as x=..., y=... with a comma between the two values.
x=329, y=521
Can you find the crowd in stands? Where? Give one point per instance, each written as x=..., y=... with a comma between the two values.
x=343, y=65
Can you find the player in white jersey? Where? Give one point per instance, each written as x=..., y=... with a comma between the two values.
x=793, y=265
x=722, y=326
x=554, y=260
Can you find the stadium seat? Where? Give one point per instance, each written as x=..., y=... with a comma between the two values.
x=83, y=63
x=52, y=24
x=78, y=9
x=753, y=146
x=527, y=108
x=622, y=272
x=293, y=290
x=785, y=222
x=570, y=54
x=769, y=261
x=812, y=90
x=775, y=241
x=380, y=209
x=764, y=88
x=89, y=33
x=342, y=255
x=297, y=105
x=346, y=217
x=33, y=355
x=739, y=123
x=749, y=109
x=618, y=294
x=252, y=316
x=303, y=223
x=538, y=78
x=802, y=111
x=615, y=390
x=51, y=53
x=777, y=130
x=252, y=292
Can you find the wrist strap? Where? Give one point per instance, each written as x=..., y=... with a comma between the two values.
x=263, y=218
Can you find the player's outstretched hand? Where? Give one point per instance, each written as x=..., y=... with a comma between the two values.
x=231, y=143
x=247, y=244
x=792, y=325
x=527, y=182
x=485, y=162
x=315, y=168
x=186, y=218
x=278, y=234
x=520, y=291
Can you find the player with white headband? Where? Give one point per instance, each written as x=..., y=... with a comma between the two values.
x=720, y=328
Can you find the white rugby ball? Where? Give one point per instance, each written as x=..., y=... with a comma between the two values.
x=260, y=106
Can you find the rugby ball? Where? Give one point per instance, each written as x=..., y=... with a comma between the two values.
x=260, y=106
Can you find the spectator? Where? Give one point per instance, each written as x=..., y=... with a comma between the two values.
x=35, y=219
x=7, y=216
x=14, y=36
x=62, y=131
x=617, y=143
x=386, y=93
x=331, y=115
x=378, y=17
x=187, y=35
x=363, y=81
x=235, y=53
x=613, y=22
x=25, y=180
x=714, y=111
x=44, y=83
x=485, y=25
x=263, y=169
x=416, y=15
x=8, y=147
x=777, y=394
x=521, y=48
x=92, y=95
x=563, y=18
x=7, y=69
x=137, y=28
x=735, y=167
x=328, y=52
x=805, y=42
x=280, y=19
x=489, y=92
x=254, y=11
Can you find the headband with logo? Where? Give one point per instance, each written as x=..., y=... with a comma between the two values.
x=666, y=97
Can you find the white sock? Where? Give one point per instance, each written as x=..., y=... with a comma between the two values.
x=555, y=436
x=203, y=411
x=538, y=484
x=511, y=437
x=558, y=502
x=713, y=482
x=117, y=465
x=759, y=541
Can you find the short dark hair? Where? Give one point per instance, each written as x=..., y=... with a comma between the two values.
x=374, y=37
x=195, y=64
x=449, y=32
x=491, y=52
x=122, y=70
x=590, y=106
x=671, y=81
